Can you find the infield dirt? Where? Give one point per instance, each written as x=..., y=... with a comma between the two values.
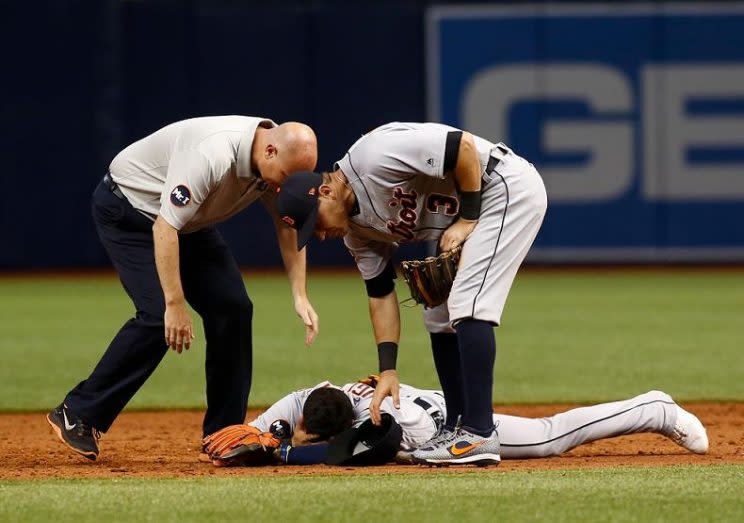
x=166, y=444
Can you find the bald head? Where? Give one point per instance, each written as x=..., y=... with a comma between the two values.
x=298, y=146
x=283, y=150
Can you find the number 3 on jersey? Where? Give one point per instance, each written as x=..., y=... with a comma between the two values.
x=448, y=204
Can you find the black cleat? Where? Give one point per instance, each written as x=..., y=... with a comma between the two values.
x=74, y=432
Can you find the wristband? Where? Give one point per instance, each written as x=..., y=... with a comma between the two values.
x=282, y=452
x=304, y=454
x=387, y=352
x=470, y=205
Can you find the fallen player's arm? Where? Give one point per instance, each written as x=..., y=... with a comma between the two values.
x=288, y=409
x=306, y=454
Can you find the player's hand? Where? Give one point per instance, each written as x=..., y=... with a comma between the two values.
x=456, y=234
x=178, y=329
x=307, y=314
x=388, y=385
x=300, y=437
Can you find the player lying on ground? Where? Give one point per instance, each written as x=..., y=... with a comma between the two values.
x=318, y=413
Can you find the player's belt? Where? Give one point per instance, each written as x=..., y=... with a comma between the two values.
x=498, y=153
x=432, y=409
x=111, y=184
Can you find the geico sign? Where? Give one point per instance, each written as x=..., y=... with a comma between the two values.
x=668, y=129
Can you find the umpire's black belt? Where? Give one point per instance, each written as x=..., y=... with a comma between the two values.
x=111, y=184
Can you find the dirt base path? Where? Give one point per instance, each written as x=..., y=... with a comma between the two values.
x=166, y=444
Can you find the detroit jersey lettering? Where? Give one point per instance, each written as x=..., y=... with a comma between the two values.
x=402, y=164
x=403, y=192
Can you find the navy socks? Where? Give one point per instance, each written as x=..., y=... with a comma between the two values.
x=446, y=354
x=477, y=354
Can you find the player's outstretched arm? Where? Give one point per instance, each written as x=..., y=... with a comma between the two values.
x=385, y=316
x=296, y=266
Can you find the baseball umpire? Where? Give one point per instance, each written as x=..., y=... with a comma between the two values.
x=426, y=181
x=155, y=213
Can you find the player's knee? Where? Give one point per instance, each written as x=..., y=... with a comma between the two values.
x=153, y=314
x=244, y=306
x=656, y=395
x=546, y=451
x=235, y=305
x=473, y=328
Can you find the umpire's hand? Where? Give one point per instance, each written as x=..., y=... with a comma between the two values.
x=178, y=329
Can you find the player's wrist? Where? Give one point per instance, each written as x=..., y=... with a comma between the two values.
x=175, y=301
x=470, y=205
x=387, y=353
x=281, y=453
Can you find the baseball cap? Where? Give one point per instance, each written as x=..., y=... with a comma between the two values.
x=297, y=203
x=366, y=444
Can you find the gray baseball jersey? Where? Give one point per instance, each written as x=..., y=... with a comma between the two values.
x=194, y=173
x=398, y=175
x=422, y=411
x=420, y=415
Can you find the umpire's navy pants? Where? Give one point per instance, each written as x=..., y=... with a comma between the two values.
x=212, y=285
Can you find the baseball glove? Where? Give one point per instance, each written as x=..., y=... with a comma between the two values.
x=241, y=445
x=372, y=380
x=430, y=280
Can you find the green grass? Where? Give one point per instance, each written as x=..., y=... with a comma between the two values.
x=566, y=336
x=691, y=493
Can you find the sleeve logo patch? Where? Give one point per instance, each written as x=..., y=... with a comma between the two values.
x=180, y=196
x=280, y=429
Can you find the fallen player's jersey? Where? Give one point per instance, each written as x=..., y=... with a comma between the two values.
x=420, y=415
x=421, y=412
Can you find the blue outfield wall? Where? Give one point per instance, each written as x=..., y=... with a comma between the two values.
x=635, y=117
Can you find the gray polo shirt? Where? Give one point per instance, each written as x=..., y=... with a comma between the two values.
x=194, y=173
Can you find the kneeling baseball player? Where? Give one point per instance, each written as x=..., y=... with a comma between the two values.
x=296, y=429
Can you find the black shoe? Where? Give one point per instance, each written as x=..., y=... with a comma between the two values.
x=74, y=432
